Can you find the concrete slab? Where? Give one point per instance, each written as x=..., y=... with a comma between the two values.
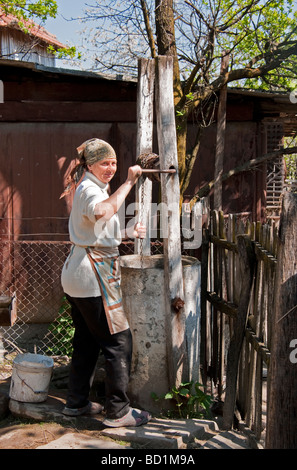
x=157, y=434
x=36, y=411
x=227, y=440
x=81, y=441
x=164, y=433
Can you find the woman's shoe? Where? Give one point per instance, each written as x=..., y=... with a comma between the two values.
x=91, y=408
x=133, y=418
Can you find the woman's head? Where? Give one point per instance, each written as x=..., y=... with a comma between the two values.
x=104, y=170
x=94, y=150
x=94, y=155
x=98, y=157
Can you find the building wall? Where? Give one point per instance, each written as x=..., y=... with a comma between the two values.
x=43, y=119
x=15, y=45
x=34, y=159
x=45, y=116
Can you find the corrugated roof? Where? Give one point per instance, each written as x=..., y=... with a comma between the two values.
x=10, y=21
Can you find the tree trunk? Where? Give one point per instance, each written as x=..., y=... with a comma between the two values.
x=220, y=140
x=165, y=32
x=282, y=385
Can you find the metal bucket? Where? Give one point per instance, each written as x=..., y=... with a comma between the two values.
x=31, y=375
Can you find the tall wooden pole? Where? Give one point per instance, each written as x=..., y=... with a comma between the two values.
x=282, y=384
x=145, y=110
x=170, y=193
x=220, y=139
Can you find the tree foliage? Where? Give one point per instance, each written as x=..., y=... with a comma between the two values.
x=258, y=38
x=33, y=10
x=38, y=11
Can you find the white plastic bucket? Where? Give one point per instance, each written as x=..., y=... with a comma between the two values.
x=31, y=375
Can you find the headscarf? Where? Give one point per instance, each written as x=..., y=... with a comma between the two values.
x=90, y=152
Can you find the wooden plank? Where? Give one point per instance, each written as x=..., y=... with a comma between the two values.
x=220, y=139
x=8, y=311
x=258, y=345
x=222, y=305
x=216, y=240
x=56, y=88
x=247, y=267
x=145, y=109
x=282, y=385
x=170, y=194
x=215, y=314
x=203, y=321
x=56, y=111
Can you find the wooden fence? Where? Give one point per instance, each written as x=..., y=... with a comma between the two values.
x=238, y=271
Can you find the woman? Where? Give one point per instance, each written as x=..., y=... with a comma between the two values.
x=91, y=282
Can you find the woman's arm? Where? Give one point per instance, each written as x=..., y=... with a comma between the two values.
x=110, y=206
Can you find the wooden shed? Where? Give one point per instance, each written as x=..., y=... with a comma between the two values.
x=256, y=124
x=48, y=112
x=30, y=46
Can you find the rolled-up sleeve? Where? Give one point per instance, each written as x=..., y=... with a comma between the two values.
x=84, y=228
x=89, y=199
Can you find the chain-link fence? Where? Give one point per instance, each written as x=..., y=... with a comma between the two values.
x=31, y=271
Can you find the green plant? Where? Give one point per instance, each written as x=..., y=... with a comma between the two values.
x=62, y=330
x=190, y=400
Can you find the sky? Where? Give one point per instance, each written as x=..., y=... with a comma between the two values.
x=65, y=30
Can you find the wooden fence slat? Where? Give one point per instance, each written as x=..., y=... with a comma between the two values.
x=282, y=383
x=247, y=267
x=224, y=259
x=203, y=323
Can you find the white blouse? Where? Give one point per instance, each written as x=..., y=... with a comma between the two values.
x=78, y=278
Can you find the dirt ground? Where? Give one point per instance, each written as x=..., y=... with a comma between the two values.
x=22, y=434
x=15, y=434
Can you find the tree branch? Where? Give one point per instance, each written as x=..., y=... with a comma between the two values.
x=148, y=28
x=247, y=72
x=205, y=190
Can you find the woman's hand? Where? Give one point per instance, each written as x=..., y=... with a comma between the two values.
x=110, y=206
x=134, y=172
x=139, y=230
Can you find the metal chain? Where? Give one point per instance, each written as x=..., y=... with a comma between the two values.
x=141, y=220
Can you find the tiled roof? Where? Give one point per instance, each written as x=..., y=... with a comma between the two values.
x=10, y=21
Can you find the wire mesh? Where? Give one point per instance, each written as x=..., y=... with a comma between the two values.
x=31, y=270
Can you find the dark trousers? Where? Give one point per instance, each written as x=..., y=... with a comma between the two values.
x=92, y=335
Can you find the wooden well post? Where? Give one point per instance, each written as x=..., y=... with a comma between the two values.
x=145, y=119
x=159, y=72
